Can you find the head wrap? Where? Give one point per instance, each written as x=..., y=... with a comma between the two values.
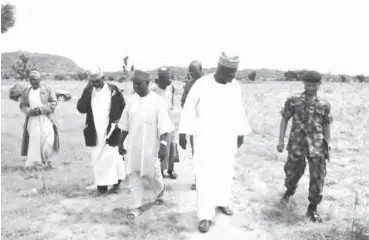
x=312, y=76
x=95, y=73
x=141, y=75
x=164, y=73
x=229, y=62
x=35, y=74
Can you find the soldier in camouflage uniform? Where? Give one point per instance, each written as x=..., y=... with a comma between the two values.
x=309, y=138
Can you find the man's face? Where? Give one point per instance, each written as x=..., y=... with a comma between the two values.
x=163, y=83
x=141, y=87
x=311, y=88
x=195, y=72
x=227, y=74
x=97, y=83
x=35, y=82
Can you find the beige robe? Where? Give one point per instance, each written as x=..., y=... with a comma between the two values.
x=145, y=119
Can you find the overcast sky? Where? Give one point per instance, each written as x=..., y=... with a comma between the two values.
x=325, y=35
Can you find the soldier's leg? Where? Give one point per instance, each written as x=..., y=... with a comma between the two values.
x=318, y=171
x=294, y=168
x=193, y=186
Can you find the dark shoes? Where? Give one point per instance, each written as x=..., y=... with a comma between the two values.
x=172, y=175
x=115, y=189
x=193, y=186
x=204, y=225
x=226, y=210
x=313, y=214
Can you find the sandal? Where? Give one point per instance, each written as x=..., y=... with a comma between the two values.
x=204, y=226
x=134, y=213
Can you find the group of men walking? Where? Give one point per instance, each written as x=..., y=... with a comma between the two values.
x=213, y=117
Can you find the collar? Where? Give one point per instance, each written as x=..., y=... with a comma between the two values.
x=303, y=96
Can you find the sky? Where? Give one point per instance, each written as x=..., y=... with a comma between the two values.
x=324, y=35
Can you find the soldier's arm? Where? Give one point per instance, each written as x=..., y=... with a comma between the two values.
x=286, y=113
x=326, y=123
x=282, y=129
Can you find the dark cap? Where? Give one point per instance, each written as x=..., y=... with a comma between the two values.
x=312, y=76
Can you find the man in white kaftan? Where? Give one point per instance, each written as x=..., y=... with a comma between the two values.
x=104, y=104
x=214, y=114
x=146, y=122
x=40, y=135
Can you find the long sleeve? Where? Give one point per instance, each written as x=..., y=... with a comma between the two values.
x=188, y=120
x=24, y=103
x=84, y=101
x=51, y=104
x=123, y=123
x=243, y=127
x=165, y=124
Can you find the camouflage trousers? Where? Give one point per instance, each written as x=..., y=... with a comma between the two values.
x=294, y=170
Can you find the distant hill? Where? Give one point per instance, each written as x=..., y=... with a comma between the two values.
x=46, y=63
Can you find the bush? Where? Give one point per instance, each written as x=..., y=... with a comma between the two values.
x=361, y=78
x=59, y=77
x=111, y=78
x=252, y=76
x=82, y=76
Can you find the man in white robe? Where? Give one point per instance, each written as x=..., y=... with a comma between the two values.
x=146, y=122
x=40, y=141
x=214, y=114
x=103, y=104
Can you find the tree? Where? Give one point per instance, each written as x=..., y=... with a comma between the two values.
x=23, y=67
x=361, y=78
x=127, y=73
x=252, y=76
x=7, y=17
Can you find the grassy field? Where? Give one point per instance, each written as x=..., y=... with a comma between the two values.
x=55, y=204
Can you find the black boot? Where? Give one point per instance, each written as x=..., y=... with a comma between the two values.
x=313, y=214
x=286, y=197
x=115, y=188
x=101, y=190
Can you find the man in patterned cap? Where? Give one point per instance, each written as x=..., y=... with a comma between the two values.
x=146, y=122
x=309, y=138
x=40, y=141
x=194, y=73
x=214, y=114
x=166, y=91
x=103, y=105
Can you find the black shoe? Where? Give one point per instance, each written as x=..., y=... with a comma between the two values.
x=172, y=175
x=115, y=188
x=226, y=210
x=193, y=186
x=204, y=226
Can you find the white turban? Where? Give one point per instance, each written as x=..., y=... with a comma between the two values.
x=95, y=73
x=229, y=62
x=35, y=74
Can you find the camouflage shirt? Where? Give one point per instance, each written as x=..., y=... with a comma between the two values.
x=306, y=137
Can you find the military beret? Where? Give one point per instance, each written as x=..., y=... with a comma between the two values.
x=312, y=76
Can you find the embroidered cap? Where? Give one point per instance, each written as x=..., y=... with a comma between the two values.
x=141, y=75
x=229, y=62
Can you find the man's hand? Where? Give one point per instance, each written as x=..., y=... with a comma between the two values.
x=280, y=146
x=182, y=140
x=162, y=152
x=239, y=141
x=121, y=150
x=34, y=112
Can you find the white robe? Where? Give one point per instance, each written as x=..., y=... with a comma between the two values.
x=214, y=114
x=107, y=163
x=145, y=119
x=41, y=134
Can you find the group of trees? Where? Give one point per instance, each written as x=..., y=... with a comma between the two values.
x=7, y=17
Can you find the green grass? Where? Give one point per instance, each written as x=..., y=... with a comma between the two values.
x=56, y=205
